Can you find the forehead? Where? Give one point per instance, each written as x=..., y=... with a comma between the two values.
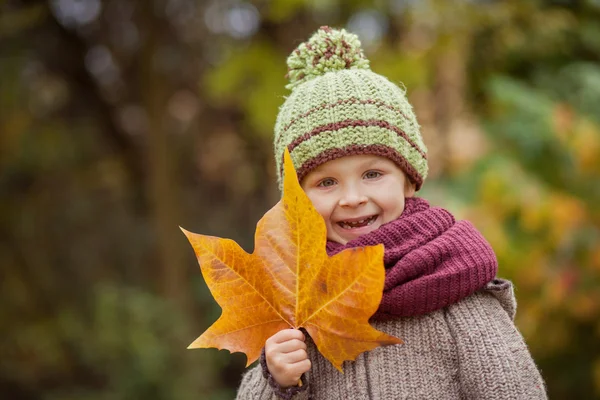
x=349, y=163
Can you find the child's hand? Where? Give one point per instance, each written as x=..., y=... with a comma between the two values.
x=286, y=357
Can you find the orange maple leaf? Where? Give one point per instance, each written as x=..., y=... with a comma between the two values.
x=290, y=281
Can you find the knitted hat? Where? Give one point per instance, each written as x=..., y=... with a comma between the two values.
x=339, y=107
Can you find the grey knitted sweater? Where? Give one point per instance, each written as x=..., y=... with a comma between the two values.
x=468, y=350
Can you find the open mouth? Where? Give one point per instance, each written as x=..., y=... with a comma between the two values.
x=359, y=223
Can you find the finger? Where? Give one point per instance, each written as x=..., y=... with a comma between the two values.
x=295, y=356
x=287, y=334
x=301, y=367
x=290, y=373
x=290, y=346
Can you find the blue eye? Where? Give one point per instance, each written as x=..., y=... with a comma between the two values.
x=326, y=182
x=372, y=174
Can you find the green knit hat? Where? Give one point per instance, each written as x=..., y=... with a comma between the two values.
x=339, y=107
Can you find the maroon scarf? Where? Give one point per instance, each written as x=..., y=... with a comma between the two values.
x=431, y=260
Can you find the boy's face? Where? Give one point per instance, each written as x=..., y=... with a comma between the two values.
x=357, y=194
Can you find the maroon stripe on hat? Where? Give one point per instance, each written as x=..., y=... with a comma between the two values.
x=334, y=126
x=355, y=149
x=351, y=100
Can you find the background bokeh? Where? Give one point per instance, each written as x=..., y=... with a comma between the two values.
x=121, y=120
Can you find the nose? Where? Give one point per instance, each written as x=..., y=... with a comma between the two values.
x=352, y=197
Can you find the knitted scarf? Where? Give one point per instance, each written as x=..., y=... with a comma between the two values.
x=431, y=260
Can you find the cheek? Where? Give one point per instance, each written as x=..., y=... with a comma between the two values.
x=325, y=211
x=321, y=205
x=392, y=206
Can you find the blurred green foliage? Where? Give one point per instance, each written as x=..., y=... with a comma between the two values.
x=120, y=120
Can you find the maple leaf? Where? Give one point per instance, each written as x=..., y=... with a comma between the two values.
x=289, y=281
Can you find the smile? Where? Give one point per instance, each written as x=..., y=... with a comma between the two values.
x=358, y=223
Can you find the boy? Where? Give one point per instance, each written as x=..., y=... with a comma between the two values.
x=360, y=158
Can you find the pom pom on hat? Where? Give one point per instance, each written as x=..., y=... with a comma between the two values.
x=327, y=50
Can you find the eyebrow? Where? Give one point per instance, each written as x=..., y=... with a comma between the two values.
x=320, y=174
x=370, y=163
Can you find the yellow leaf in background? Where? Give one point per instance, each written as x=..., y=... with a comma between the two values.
x=567, y=213
x=290, y=281
x=586, y=145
